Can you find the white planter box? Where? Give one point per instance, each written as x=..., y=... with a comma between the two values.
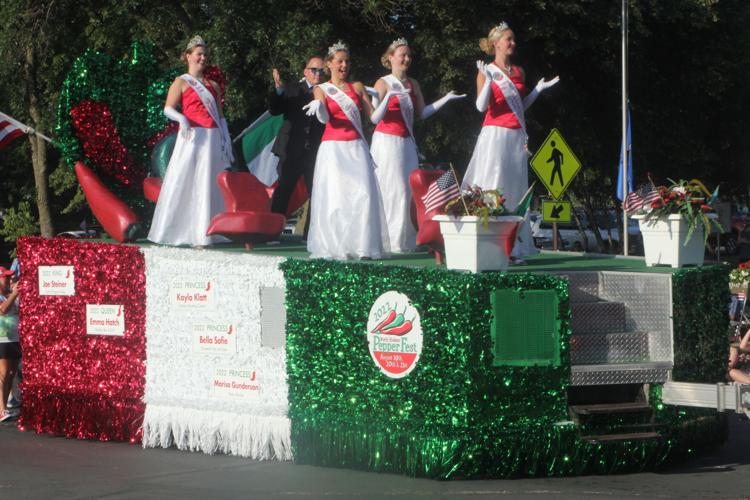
x=664, y=241
x=472, y=247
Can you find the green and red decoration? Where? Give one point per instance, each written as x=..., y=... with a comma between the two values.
x=110, y=118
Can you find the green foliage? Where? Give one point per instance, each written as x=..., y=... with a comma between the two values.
x=62, y=181
x=19, y=221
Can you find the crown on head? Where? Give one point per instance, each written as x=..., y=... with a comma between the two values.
x=399, y=42
x=502, y=26
x=337, y=47
x=196, y=41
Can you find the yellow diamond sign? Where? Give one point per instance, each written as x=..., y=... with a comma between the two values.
x=556, y=211
x=555, y=164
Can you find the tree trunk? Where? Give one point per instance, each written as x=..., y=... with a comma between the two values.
x=38, y=147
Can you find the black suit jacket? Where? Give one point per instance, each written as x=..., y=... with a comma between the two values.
x=299, y=133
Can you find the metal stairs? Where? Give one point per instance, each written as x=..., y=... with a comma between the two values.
x=611, y=360
x=604, y=348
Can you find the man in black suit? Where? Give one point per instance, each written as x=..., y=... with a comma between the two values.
x=299, y=137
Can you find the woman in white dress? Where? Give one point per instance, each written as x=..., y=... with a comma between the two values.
x=347, y=218
x=189, y=195
x=500, y=158
x=394, y=149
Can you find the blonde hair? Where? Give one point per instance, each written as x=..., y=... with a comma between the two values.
x=401, y=42
x=487, y=44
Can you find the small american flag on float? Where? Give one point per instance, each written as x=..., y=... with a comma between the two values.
x=9, y=130
x=641, y=197
x=440, y=192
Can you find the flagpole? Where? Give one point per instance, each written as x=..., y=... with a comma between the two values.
x=625, y=235
x=26, y=129
x=460, y=194
x=41, y=136
x=251, y=126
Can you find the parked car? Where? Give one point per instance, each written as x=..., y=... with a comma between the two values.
x=570, y=237
x=79, y=234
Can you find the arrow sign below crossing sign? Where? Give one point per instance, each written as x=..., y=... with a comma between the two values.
x=556, y=211
x=555, y=164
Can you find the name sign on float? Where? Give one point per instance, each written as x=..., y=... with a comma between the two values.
x=105, y=319
x=235, y=383
x=218, y=337
x=57, y=280
x=195, y=294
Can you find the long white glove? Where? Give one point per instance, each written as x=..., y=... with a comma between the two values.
x=380, y=111
x=483, y=98
x=226, y=142
x=433, y=108
x=178, y=117
x=541, y=86
x=374, y=96
x=317, y=108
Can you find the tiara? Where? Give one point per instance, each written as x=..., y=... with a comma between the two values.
x=399, y=42
x=336, y=47
x=196, y=41
x=502, y=26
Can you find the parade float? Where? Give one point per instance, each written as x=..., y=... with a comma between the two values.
x=571, y=364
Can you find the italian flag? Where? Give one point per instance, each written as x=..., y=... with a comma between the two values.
x=257, y=141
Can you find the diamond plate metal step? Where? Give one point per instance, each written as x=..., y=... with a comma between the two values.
x=621, y=347
x=583, y=286
x=621, y=373
x=598, y=317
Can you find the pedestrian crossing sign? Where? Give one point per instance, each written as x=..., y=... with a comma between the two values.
x=556, y=211
x=555, y=164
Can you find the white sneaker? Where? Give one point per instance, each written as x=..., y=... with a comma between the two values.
x=9, y=415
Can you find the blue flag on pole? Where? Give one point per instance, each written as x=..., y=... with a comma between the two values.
x=630, y=164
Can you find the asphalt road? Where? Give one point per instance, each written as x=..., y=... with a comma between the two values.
x=36, y=466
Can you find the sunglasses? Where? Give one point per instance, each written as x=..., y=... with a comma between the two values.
x=319, y=71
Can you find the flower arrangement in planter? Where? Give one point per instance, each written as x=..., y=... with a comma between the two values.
x=670, y=216
x=479, y=231
x=689, y=199
x=482, y=203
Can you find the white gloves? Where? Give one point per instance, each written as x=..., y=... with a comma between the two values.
x=374, y=96
x=483, y=98
x=178, y=117
x=227, y=142
x=380, y=111
x=433, y=108
x=317, y=108
x=541, y=86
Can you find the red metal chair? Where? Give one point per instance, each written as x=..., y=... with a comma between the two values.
x=428, y=231
x=248, y=217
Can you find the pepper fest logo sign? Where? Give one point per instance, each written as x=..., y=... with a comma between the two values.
x=394, y=334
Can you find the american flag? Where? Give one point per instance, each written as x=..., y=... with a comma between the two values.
x=440, y=192
x=641, y=197
x=9, y=130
